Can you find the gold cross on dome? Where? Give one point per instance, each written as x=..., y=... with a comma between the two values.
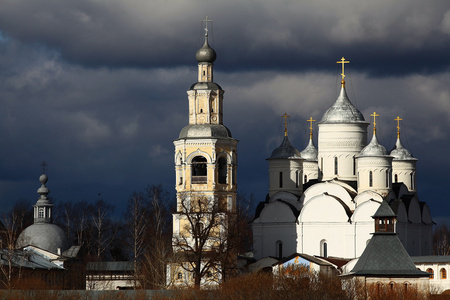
x=285, y=116
x=374, y=115
x=206, y=20
x=398, y=119
x=343, y=61
x=310, y=127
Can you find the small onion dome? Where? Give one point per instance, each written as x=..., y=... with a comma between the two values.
x=46, y=236
x=206, y=53
x=342, y=111
x=401, y=153
x=286, y=150
x=310, y=152
x=374, y=148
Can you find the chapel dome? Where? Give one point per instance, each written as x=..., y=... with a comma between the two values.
x=401, y=153
x=310, y=152
x=206, y=53
x=285, y=150
x=205, y=130
x=342, y=111
x=374, y=148
x=46, y=236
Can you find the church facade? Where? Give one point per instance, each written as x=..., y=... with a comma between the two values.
x=321, y=200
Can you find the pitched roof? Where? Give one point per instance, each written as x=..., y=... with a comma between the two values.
x=384, y=211
x=386, y=256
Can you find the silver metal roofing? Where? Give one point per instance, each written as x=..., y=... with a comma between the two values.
x=342, y=111
x=205, y=131
x=205, y=86
x=384, y=211
x=310, y=152
x=285, y=150
x=206, y=53
x=373, y=149
x=46, y=236
x=386, y=256
x=27, y=259
x=401, y=153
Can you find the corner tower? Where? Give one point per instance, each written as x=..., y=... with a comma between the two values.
x=205, y=151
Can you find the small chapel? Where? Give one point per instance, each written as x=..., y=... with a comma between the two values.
x=321, y=200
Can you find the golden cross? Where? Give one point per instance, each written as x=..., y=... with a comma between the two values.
x=374, y=115
x=398, y=126
x=285, y=116
x=343, y=61
x=310, y=127
x=206, y=20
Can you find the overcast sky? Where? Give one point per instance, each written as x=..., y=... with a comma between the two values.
x=98, y=88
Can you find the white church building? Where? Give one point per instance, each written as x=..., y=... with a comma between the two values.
x=321, y=200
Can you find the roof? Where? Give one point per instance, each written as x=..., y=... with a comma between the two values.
x=400, y=152
x=373, y=149
x=27, y=259
x=285, y=150
x=205, y=131
x=342, y=111
x=384, y=211
x=110, y=266
x=431, y=259
x=310, y=152
x=386, y=256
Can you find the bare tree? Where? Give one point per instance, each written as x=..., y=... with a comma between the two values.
x=200, y=244
x=441, y=240
x=101, y=225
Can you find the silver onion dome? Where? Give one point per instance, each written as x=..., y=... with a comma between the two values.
x=310, y=152
x=400, y=152
x=285, y=150
x=342, y=111
x=206, y=53
x=374, y=148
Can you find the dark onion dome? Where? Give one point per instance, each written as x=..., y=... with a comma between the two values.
x=374, y=148
x=310, y=152
x=342, y=111
x=46, y=236
x=286, y=150
x=206, y=53
x=205, y=130
x=401, y=153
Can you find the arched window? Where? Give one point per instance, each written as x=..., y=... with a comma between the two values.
x=279, y=249
x=370, y=179
x=180, y=275
x=305, y=178
x=412, y=181
x=223, y=170
x=430, y=271
x=395, y=178
x=199, y=170
x=41, y=212
x=335, y=166
x=387, y=178
x=443, y=273
x=281, y=179
x=296, y=179
x=354, y=165
x=323, y=248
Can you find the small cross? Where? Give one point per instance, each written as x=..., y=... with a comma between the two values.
x=343, y=61
x=44, y=164
x=398, y=126
x=285, y=116
x=206, y=24
x=374, y=115
x=310, y=127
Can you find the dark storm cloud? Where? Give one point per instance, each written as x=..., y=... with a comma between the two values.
x=385, y=36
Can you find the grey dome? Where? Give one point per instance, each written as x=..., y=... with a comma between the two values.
x=342, y=111
x=205, y=130
x=205, y=86
x=286, y=150
x=374, y=148
x=46, y=236
x=206, y=53
x=310, y=152
x=401, y=153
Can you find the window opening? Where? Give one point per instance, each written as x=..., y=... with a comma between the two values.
x=281, y=179
x=335, y=166
x=443, y=273
x=223, y=170
x=199, y=170
x=430, y=271
x=396, y=178
x=370, y=179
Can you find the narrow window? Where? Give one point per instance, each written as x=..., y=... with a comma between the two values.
x=204, y=72
x=296, y=179
x=201, y=110
x=335, y=166
x=387, y=178
x=180, y=276
x=305, y=179
x=281, y=179
x=443, y=273
x=412, y=181
x=279, y=246
x=430, y=271
x=181, y=181
x=41, y=212
x=395, y=178
x=354, y=165
x=325, y=249
x=223, y=170
x=370, y=179
x=321, y=164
